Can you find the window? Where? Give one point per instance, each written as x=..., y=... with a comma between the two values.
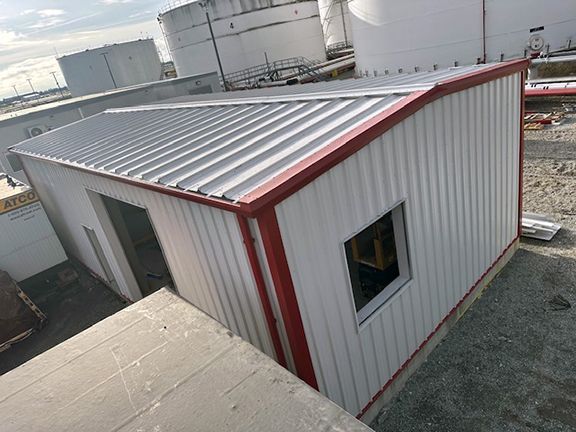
x=377, y=260
x=14, y=162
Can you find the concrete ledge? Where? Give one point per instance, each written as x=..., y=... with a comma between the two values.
x=397, y=382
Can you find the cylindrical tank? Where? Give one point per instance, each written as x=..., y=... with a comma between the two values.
x=408, y=35
x=247, y=32
x=111, y=66
x=335, y=20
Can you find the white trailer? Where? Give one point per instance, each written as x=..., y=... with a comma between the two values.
x=28, y=243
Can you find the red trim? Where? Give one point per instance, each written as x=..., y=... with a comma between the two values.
x=261, y=286
x=298, y=176
x=438, y=327
x=539, y=92
x=521, y=151
x=166, y=190
x=281, y=276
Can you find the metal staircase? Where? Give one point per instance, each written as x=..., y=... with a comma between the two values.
x=279, y=70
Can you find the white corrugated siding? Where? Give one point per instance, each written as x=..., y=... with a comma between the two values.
x=202, y=245
x=455, y=163
x=28, y=244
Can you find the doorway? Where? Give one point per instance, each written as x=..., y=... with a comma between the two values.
x=101, y=256
x=141, y=246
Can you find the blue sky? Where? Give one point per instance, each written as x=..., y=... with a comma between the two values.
x=32, y=32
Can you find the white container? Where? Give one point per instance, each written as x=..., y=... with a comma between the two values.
x=421, y=35
x=111, y=66
x=28, y=243
x=248, y=33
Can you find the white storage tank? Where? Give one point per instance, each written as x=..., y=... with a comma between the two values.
x=111, y=66
x=413, y=35
x=335, y=19
x=248, y=33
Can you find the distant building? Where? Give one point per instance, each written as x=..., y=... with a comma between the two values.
x=111, y=67
x=340, y=232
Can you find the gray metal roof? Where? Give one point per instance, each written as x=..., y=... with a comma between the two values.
x=405, y=81
x=225, y=148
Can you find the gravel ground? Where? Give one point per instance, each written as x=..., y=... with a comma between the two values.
x=510, y=363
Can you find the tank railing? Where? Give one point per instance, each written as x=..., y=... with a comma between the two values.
x=275, y=71
x=334, y=49
x=173, y=4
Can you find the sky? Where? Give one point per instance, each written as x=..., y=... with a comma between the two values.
x=34, y=32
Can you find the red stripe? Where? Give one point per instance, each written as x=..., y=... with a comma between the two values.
x=538, y=92
x=155, y=187
x=282, y=278
x=431, y=335
x=261, y=286
x=304, y=172
x=521, y=151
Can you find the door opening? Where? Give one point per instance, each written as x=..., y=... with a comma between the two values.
x=141, y=246
x=99, y=252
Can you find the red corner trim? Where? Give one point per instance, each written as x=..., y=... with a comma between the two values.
x=261, y=287
x=539, y=92
x=281, y=276
x=298, y=176
x=438, y=327
x=521, y=151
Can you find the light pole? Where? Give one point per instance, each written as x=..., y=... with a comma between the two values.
x=57, y=83
x=16, y=91
x=109, y=69
x=31, y=86
x=204, y=6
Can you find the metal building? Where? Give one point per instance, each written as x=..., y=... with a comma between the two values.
x=111, y=67
x=248, y=33
x=339, y=232
x=28, y=243
x=420, y=35
x=22, y=124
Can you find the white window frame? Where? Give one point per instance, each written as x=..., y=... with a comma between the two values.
x=400, y=238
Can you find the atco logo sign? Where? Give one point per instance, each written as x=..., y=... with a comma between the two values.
x=17, y=201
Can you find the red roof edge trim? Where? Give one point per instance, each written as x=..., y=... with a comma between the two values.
x=155, y=187
x=550, y=92
x=298, y=176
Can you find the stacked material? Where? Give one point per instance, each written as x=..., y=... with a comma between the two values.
x=19, y=317
x=539, y=226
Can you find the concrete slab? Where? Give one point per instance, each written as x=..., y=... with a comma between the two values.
x=162, y=365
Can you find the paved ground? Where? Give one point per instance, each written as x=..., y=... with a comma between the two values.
x=70, y=310
x=510, y=363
